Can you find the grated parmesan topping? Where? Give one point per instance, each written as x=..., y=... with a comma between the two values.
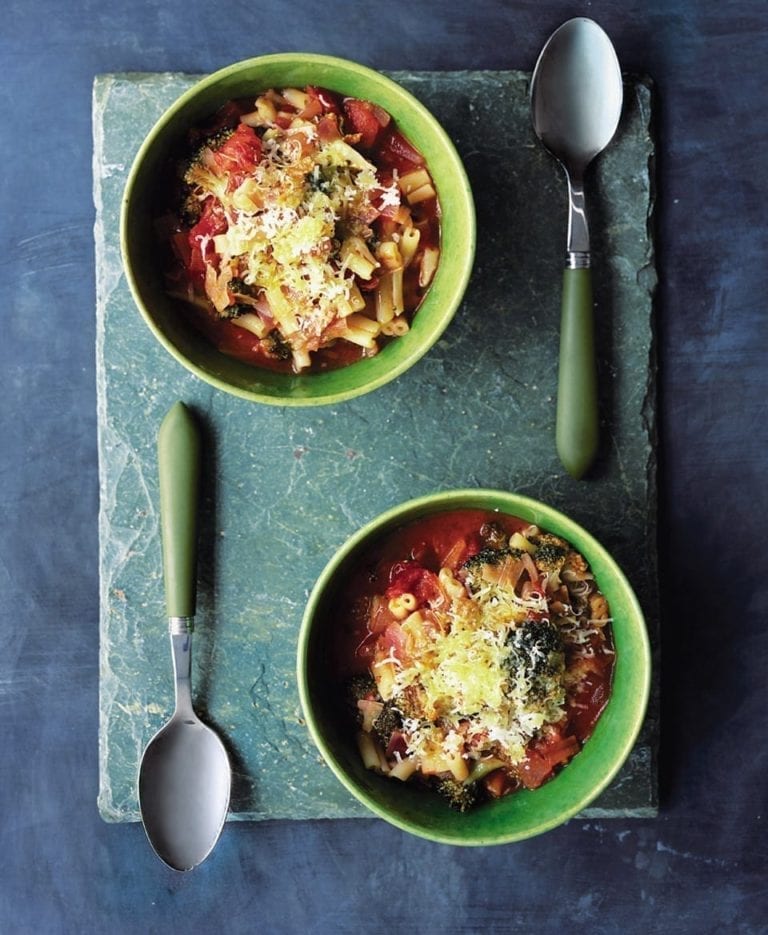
x=285, y=223
x=470, y=685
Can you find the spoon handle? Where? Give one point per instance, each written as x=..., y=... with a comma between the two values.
x=576, y=431
x=178, y=450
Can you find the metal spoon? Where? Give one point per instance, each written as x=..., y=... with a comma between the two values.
x=185, y=774
x=576, y=100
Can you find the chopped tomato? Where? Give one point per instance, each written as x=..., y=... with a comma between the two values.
x=397, y=744
x=365, y=118
x=391, y=213
x=284, y=120
x=313, y=108
x=412, y=578
x=211, y=221
x=240, y=343
x=395, y=152
x=328, y=128
x=392, y=641
x=534, y=771
x=238, y=155
x=200, y=237
x=330, y=101
x=544, y=756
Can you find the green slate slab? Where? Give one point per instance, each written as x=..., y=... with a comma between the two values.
x=285, y=487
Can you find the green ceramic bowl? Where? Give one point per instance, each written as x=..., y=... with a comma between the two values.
x=525, y=813
x=249, y=78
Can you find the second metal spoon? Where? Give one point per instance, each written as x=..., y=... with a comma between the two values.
x=576, y=101
x=185, y=774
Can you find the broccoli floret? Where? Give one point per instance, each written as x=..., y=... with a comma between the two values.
x=276, y=346
x=550, y=551
x=489, y=557
x=471, y=572
x=194, y=170
x=319, y=181
x=387, y=723
x=550, y=556
x=360, y=687
x=239, y=287
x=459, y=795
x=363, y=688
x=214, y=141
x=190, y=210
x=410, y=702
x=536, y=650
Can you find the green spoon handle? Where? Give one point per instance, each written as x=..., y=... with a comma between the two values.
x=178, y=451
x=577, y=417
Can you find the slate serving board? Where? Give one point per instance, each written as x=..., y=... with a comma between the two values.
x=284, y=487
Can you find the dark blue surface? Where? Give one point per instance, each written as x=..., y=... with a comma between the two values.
x=701, y=865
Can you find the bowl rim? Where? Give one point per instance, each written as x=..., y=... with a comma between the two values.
x=462, y=200
x=443, y=501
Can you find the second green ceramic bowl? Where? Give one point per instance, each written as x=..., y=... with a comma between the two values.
x=522, y=814
x=250, y=77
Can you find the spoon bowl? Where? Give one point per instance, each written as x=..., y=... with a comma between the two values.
x=576, y=93
x=185, y=775
x=183, y=804
x=576, y=101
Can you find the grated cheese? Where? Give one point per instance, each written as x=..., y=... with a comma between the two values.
x=470, y=684
x=285, y=222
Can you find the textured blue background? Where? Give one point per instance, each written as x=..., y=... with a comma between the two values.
x=701, y=865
